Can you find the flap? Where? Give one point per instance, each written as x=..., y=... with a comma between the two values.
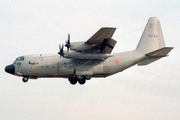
x=108, y=45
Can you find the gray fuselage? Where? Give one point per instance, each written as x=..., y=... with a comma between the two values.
x=37, y=66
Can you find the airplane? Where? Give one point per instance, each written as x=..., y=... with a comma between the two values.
x=92, y=58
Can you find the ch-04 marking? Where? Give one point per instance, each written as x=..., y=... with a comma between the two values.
x=154, y=36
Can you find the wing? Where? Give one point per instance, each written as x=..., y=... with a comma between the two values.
x=100, y=35
x=103, y=46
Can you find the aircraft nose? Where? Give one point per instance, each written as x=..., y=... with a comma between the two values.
x=10, y=69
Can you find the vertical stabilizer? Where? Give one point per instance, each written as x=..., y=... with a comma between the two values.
x=152, y=37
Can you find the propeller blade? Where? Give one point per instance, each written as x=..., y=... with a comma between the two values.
x=68, y=43
x=62, y=47
x=68, y=38
x=59, y=47
x=61, y=50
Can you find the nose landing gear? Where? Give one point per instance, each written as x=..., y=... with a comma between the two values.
x=25, y=79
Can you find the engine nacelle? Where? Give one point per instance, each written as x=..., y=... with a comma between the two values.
x=80, y=46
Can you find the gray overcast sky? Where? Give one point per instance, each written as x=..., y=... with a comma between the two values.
x=38, y=27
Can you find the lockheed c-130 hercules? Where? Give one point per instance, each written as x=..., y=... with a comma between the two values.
x=93, y=58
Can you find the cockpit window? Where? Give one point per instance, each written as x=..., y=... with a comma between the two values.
x=18, y=59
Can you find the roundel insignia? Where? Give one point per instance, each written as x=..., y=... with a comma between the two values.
x=116, y=61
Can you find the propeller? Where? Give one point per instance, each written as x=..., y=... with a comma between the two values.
x=68, y=43
x=61, y=50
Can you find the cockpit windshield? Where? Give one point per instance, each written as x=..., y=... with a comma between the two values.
x=18, y=59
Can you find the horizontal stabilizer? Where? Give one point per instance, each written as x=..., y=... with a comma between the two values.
x=148, y=61
x=160, y=53
x=155, y=55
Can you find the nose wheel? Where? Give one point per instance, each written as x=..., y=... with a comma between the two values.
x=25, y=79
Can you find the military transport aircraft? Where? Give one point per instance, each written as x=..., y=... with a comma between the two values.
x=84, y=60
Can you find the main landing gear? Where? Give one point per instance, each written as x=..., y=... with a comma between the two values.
x=81, y=79
x=25, y=79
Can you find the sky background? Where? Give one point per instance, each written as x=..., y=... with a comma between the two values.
x=38, y=27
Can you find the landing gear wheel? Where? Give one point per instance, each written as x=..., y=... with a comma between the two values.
x=79, y=77
x=82, y=81
x=73, y=81
x=88, y=77
x=25, y=79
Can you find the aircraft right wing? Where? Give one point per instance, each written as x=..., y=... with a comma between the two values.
x=100, y=35
x=103, y=46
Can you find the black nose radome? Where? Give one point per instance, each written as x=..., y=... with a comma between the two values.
x=10, y=69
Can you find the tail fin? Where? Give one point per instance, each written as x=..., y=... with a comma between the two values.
x=152, y=37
